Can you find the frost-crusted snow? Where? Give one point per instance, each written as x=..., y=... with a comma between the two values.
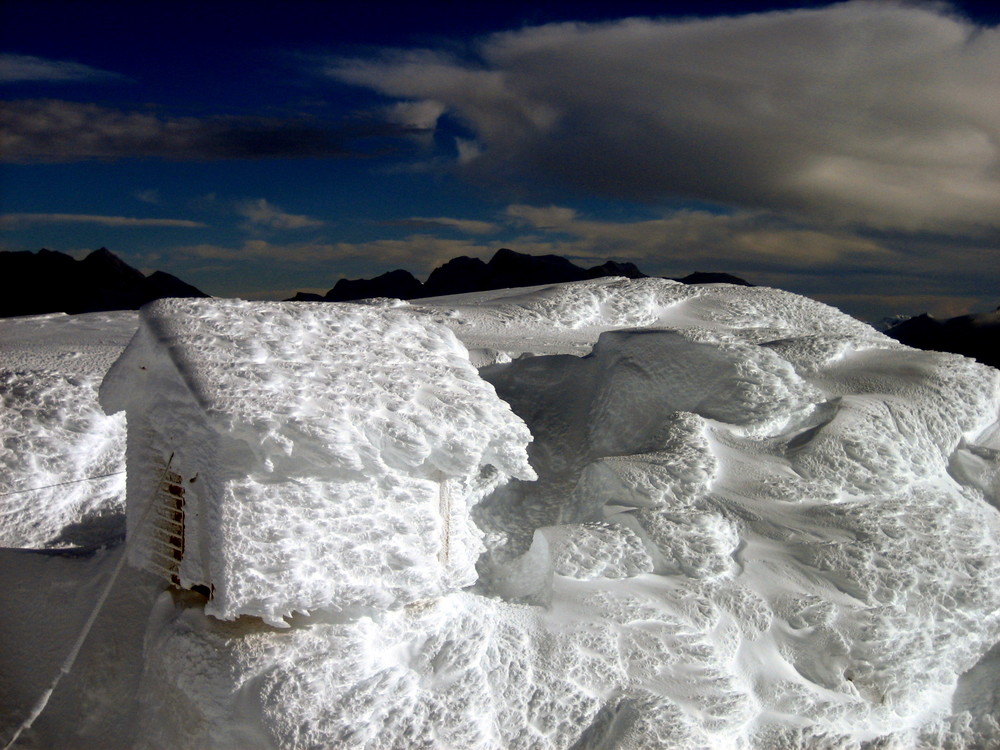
x=329, y=453
x=335, y=390
x=63, y=470
x=757, y=524
x=55, y=435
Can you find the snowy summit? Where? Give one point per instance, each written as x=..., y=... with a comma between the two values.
x=615, y=513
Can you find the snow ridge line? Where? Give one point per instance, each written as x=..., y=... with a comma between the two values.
x=70, y=660
x=61, y=484
x=444, y=506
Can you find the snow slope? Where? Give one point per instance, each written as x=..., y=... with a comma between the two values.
x=757, y=523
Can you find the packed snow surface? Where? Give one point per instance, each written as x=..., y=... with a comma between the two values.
x=756, y=523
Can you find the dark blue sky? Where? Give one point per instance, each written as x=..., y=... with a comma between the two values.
x=849, y=152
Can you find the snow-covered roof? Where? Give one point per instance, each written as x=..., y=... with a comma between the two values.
x=331, y=389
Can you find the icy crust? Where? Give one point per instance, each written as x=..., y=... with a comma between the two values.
x=337, y=390
x=347, y=545
x=55, y=435
x=461, y=671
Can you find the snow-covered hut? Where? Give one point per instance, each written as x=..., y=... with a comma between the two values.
x=300, y=456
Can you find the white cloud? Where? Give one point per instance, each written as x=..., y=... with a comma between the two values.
x=420, y=115
x=17, y=220
x=18, y=68
x=467, y=226
x=262, y=214
x=684, y=237
x=542, y=217
x=148, y=196
x=468, y=150
x=880, y=114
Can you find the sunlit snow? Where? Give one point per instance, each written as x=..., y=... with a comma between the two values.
x=749, y=521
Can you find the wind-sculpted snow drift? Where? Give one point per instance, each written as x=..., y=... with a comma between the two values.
x=757, y=523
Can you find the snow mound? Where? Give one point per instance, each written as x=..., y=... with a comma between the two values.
x=811, y=494
x=86, y=344
x=596, y=550
x=569, y=318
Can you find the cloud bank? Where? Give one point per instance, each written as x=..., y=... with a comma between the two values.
x=25, y=68
x=665, y=244
x=464, y=226
x=883, y=115
x=48, y=130
x=418, y=253
x=8, y=221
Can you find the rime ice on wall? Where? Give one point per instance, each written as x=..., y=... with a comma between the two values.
x=327, y=455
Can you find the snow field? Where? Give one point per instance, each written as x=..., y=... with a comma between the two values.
x=756, y=523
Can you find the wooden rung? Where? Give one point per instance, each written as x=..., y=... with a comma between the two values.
x=173, y=561
x=165, y=543
x=161, y=522
x=170, y=540
x=170, y=515
x=166, y=533
x=167, y=527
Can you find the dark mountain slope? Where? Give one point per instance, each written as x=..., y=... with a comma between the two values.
x=506, y=269
x=47, y=281
x=398, y=284
x=976, y=336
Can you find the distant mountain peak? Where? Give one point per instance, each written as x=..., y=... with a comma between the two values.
x=712, y=277
x=49, y=281
x=976, y=336
x=506, y=269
